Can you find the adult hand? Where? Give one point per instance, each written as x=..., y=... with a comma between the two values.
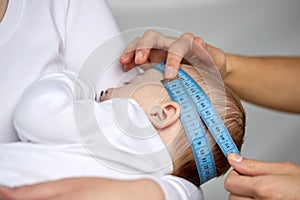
x=85, y=188
x=252, y=179
x=154, y=47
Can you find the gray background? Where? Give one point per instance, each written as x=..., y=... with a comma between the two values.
x=250, y=27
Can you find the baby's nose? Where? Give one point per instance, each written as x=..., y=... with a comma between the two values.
x=105, y=95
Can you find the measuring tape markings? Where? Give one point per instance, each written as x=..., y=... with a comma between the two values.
x=209, y=115
x=184, y=91
x=193, y=127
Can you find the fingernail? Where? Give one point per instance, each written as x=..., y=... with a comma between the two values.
x=138, y=55
x=198, y=40
x=169, y=72
x=201, y=42
x=235, y=157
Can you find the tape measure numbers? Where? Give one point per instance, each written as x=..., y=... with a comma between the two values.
x=194, y=104
x=194, y=130
x=209, y=114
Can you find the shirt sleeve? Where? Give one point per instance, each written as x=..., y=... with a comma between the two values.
x=89, y=23
x=93, y=43
x=46, y=116
x=45, y=112
x=176, y=188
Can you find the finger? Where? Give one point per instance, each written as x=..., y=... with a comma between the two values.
x=141, y=56
x=236, y=197
x=129, y=66
x=200, y=42
x=179, y=49
x=254, y=167
x=146, y=43
x=151, y=40
x=129, y=52
x=138, y=51
x=239, y=185
x=157, y=55
x=172, y=65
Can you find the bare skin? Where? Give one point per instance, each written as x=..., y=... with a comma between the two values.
x=3, y=7
x=255, y=79
x=84, y=187
x=269, y=81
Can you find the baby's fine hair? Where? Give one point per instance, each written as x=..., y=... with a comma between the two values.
x=231, y=112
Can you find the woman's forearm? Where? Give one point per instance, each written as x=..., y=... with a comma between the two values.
x=139, y=189
x=268, y=81
x=91, y=188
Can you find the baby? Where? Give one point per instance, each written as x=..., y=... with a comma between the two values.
x=134, y=131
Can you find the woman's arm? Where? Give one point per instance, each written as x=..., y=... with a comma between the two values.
x=86, y=188
x=268, y=81
x=102, y=188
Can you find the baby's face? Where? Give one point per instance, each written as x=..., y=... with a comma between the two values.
x=146, y=89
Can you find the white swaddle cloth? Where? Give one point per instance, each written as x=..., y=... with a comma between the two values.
x=63, y=137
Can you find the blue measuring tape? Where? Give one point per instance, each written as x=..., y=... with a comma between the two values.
x=194, y=104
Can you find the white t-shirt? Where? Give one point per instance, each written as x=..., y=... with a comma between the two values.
x=55, y=148
x=48, y=35
x=37, y=37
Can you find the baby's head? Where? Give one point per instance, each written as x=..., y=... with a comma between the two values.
x=148, y=91
x=231, y=112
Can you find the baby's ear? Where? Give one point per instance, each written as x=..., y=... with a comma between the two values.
x=165, y=114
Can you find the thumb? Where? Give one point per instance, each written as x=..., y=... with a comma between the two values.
x=251, y=167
